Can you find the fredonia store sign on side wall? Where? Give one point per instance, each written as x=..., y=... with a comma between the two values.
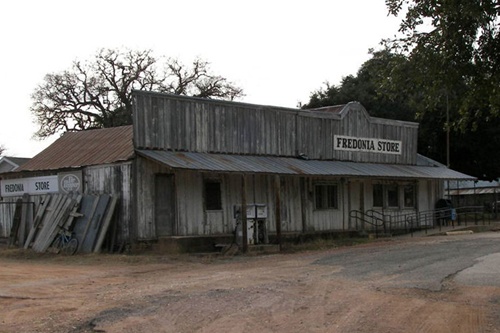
x=369, y=145
x=62, y=183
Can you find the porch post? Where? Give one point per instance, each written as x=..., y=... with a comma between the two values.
x=244, y=230
x=277, y=208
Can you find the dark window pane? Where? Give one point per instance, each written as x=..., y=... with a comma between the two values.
x=409, y=196
x=392, y=196
x=332, y=196
x=213, y=196
x=378, y=195
x=319, y=196
x=326, y=196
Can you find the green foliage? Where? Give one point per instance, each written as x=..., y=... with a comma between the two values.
x=377, y=85
x=445, y=64
x=97, y=93
x=455, y=45
x=387, y=88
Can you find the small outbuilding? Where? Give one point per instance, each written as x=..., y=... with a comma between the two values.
x=90, y=162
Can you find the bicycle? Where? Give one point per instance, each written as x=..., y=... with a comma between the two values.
x=66, y=242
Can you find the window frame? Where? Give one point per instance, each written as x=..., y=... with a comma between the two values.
x=326, y=196
x=212, y=201
x=394, y=195
x=413, y=196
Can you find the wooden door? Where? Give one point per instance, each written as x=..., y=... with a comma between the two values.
x=165, y=205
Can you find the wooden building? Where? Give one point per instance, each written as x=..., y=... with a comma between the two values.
x=199, y=160
x=189, y=167
x=89, y=162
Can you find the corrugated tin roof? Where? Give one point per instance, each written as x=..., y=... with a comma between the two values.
x=91, y=147
x=332, y=109
x=473, y=191
x=296, y=166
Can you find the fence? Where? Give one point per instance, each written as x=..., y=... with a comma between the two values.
x=383, y=222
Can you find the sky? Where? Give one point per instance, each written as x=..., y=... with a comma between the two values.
x=278, y=51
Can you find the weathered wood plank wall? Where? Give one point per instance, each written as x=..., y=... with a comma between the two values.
x=199, y=125
x=114, y=180
x=7, y=209
x=193, y=220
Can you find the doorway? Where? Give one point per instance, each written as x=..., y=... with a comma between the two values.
x=165, y=205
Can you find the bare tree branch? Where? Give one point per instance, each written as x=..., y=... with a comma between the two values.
x=98, y=93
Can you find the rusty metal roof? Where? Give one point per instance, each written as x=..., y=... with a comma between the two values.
x=296, y=166
x=85, y=148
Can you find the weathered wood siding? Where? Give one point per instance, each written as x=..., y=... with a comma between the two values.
x=114, y=180
x=297, y=210
x=7, y=209
x=180, y=123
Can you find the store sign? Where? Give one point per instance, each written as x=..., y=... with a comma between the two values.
x=34, y=185
x=70, y=182
x=370, y=145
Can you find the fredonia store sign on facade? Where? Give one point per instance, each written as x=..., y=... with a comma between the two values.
x=369, y=145
x=62, y=183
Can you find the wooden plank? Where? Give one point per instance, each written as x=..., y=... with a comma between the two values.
x=68, y=224
x=86, y=210
x=38, y=219
x=16, y=222
x=105, y=225
x=82, y=227
x=94, y=225
x=56, y=220
x=53, y=210
x=65, y=217
x=46, y=221
x=52, y=225
x=23, y=225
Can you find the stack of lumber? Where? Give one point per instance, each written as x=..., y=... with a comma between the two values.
x=87, y=216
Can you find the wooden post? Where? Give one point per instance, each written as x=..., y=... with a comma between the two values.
x=303, y=202
x=244, y=230
x=277, y=206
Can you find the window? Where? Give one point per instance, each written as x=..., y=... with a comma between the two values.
x=409, y=196
x=326, y=196
x=378, y=195
x=213, y=200
x=392, y=196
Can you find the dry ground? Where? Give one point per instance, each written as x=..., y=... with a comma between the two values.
x=273, y=293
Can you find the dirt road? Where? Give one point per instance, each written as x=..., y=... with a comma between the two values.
x=274, y=293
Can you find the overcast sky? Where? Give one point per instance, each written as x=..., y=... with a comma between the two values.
x=277, y=51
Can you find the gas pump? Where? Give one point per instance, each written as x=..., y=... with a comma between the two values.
x=256, y=224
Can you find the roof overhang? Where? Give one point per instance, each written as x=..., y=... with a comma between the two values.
x=296, y=166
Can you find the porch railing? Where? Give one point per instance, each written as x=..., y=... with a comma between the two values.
x=380, y=221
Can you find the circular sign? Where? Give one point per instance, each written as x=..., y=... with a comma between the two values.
x=70, y=183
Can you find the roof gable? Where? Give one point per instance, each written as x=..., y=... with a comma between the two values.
x=9, y=163
x=85, y=148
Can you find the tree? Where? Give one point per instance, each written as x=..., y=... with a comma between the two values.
x=97, y=93
x=454, y=45
x=373, y=86
x=2, y=149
